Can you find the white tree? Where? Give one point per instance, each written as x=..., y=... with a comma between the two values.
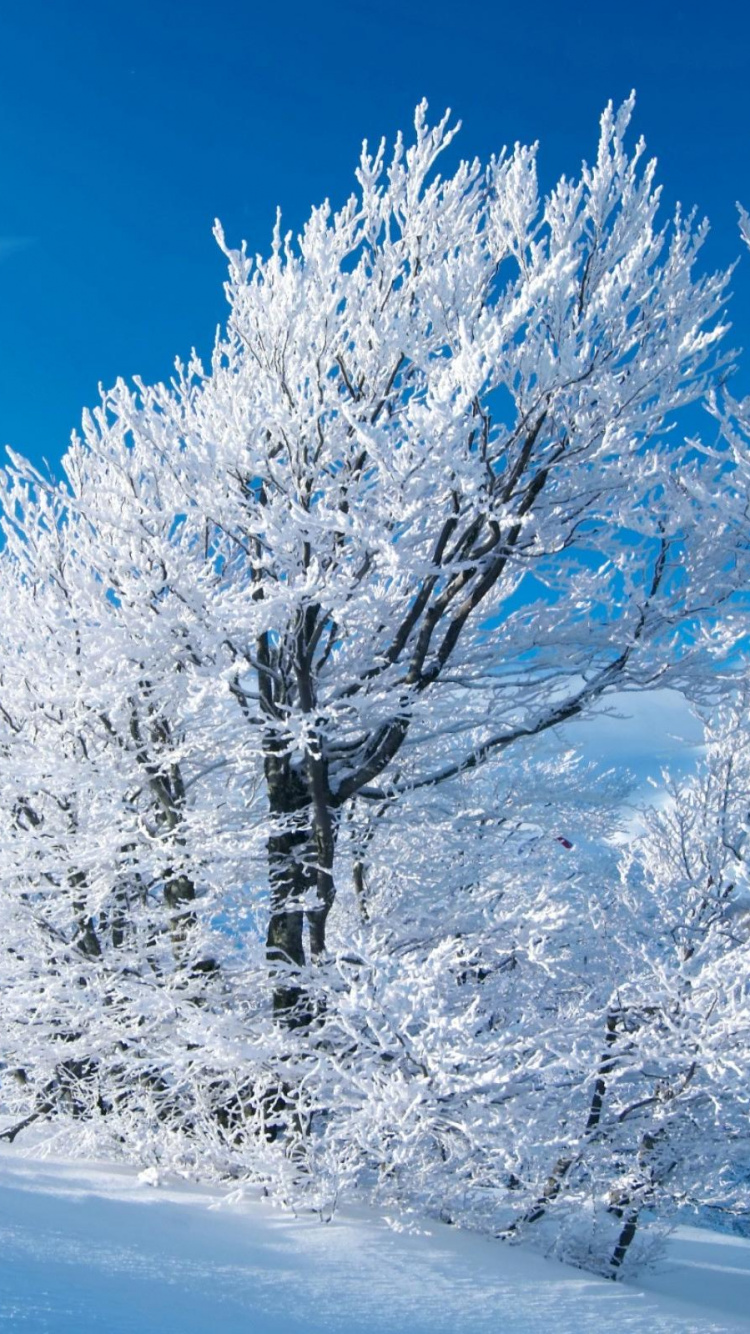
x=688, y=991
x=272, y=631
x=425, y=502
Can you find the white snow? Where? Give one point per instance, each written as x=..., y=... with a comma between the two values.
x=90, y=1247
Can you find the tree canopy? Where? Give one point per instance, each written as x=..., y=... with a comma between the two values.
x=285, y=656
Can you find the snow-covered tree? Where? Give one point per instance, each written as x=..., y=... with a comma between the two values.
x=688, y=877
x=667, y=1121
x=283, y=651
x=424, y=503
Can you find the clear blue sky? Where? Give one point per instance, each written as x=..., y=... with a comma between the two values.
x=126, y=128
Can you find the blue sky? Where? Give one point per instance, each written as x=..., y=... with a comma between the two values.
x=125, y=129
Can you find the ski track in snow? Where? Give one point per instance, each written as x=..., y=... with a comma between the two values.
x=87, y=1248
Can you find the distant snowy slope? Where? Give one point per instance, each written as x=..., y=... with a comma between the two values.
x=643, y=733
x=89, y=1248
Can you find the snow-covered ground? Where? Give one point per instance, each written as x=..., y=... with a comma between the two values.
x=89, y=1247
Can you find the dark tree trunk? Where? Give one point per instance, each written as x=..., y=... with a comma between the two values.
x=627, y=1234
x=302, y=838
x=179, y=893
x=285, y=950
x=290, y=877
x=300, y=869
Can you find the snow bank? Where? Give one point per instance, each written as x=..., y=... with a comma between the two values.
x=89, y=1247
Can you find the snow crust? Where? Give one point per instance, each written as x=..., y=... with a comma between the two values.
x=91, y=1247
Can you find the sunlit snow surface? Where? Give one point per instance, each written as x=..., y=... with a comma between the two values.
x=93, y=1248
